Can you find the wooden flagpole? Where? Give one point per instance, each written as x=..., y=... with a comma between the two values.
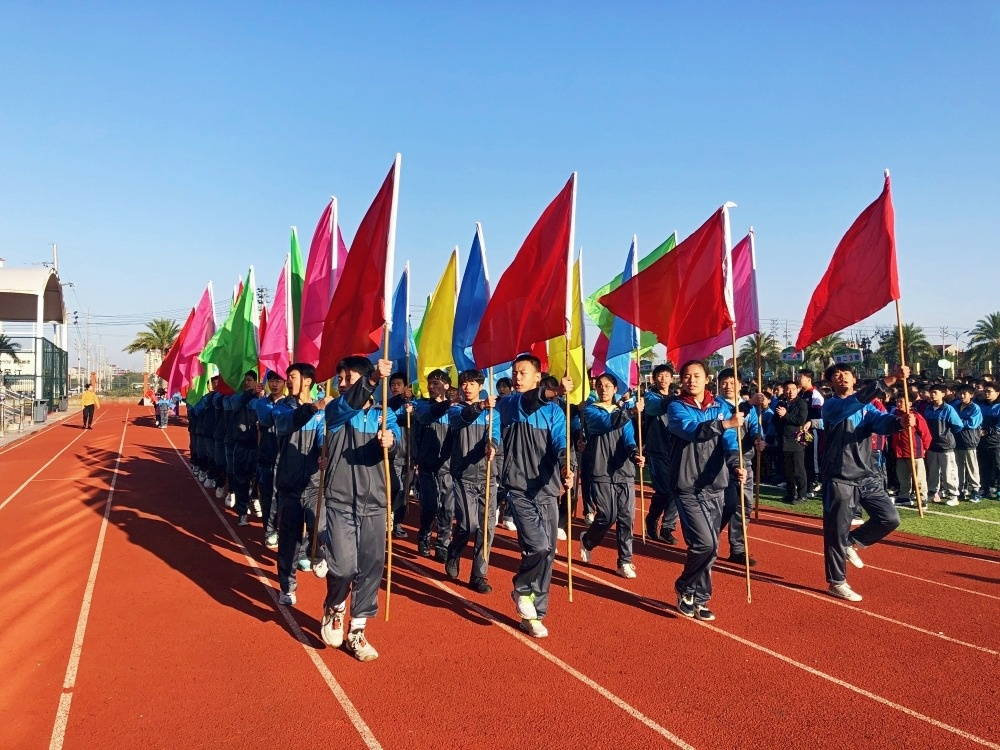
x=760, y=423
x=739, y=450
x=906, y=407
x=386, y=469
x=317, y=570
x=569, y=493
x=489, y=440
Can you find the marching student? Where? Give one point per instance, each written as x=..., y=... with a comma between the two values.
x=298, y=423
x=204, y=416
x=89, y=401
x=942, y=470
x=752, y=442
x=432, y=454
x=849, y=479
x=699, y=471
x=353, y=534
x=245, y=434
x=267, y=455
x=473, y=444
x=967, y=442
x=217, y=404
x=657, y=449
x=534, y=471
x=609, y=459
x=400, y=395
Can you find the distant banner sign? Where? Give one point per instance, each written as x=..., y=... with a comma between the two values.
x=768, y=373
x=846, y=358
x=792, y=355
x=715, y=361
x=645, y=366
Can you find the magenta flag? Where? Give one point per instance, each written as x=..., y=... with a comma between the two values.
x=188, y=366
x=318, y=288
x=275, y=345
x=745, y=304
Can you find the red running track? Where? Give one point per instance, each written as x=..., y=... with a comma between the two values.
x=136, y=613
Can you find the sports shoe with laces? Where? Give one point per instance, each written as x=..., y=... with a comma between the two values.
x=209, y=484
x=701, y=612
x=561, y=534
x=951, y=502
x=584, y=552
x=853, y=557
x=244, y=520
x=255, y=505
x=685, y=605
x=626, y=570
x=480, y=586
x=843, y=591
x=424, y=547
x=287, y=599
x=358, y=646
x=399, y=532
x=332, y=628
x=741, y=559
x=304, y=564
x=667, y=537
x=271, y=541
x=231, y=500
x=975, y=497
x=534, y=628
x=451, y=568
x=525, y=605
x=508, y=523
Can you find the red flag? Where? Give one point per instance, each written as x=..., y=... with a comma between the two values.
x=357, y=311
x=540, y=350
x=682, y=297
x=318, y=286
x=166, y=368
x=188, y=366
x=861, y=278
x=530, y=302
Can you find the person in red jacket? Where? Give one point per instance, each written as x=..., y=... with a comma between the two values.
x=901, y=450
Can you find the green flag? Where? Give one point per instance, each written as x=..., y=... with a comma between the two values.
x=233, y=348
x=604, y=318
x=298, y=269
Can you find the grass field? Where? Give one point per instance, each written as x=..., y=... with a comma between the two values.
x=963, y=524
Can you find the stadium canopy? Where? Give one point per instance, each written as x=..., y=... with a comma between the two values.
x=31, y=295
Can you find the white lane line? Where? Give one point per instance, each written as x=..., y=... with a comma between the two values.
x=27, y=481
x=805, y=667
x=367, y=736
x=19, y=441
x=65, y=699
x=598, y=688
x=950, y=515
x=883, y=570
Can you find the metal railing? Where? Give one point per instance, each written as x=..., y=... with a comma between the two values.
x=15, y=410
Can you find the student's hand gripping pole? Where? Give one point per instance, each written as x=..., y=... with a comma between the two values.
x=319, y=570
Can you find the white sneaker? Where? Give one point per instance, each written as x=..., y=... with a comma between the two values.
x=589, y=518
x=627, y=570
x=525, y=606
x=843, y=591
x=287, y=599
x=852, y=557
x=496, y=520
x=231, y=500
x=332, y=629
x=255, y=504
x=951, y=502
x=534, y=628
x=209, y=484
x=220, y=492
x=509, y=525
x=359, y=646
x=320, y=568
x=855, y=522
x=584, y=552
x=561, y=534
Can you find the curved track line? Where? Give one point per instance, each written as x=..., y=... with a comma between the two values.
x=805, y=667
x=367, y=736
x=66, y=698
x=567, y=668
x=883, y=570
x=27, y=481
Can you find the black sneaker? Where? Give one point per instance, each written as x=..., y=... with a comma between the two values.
x=652, y=533
x=399, y=532
x=685, y=605
x=702, y=612
x=451, y=568
x=424, y=548
x=480, y=586
x=667, y=537
x=441, y=554
x=742, y=560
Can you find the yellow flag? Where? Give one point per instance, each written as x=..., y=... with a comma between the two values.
x=577, y=345
x=434, y=347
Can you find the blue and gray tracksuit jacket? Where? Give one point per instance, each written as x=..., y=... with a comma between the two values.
x=700, y=455
x=533, y=432
x=611, y=449
x=267, y=452
x=654, y=412
x=991, y=422
x=244, y=419
x=432, y=449
x=971, y=417
x=469, y=424
x=300, y=440
x=944, y=424
x=850, y=423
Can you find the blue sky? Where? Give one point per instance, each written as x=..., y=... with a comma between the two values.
x=162, y=147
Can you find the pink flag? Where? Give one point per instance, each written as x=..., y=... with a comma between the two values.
x=275, y=344
x=188, y=366
x=745, y=293
x=319, y=284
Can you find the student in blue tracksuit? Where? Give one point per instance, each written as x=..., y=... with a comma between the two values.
x=610, y=457
x=299, y=425
x=942, y=470
x=849, y=479
x=355, y=510
x=535, y=470
x=473, y=443
x=701, y=462
x=657, y=449
x=402, y=470
x=267, y=455
x=967, y=443
x=162, y=409
x=244, y=428
x=989, y=445
x=432, y=451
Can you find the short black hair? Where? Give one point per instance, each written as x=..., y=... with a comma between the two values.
x=790, y=382
x=807, y=372
x=505, y=382
x=967, y=389
x=398, y=375
x=839, y=367
x=692, y=363
x=273, y=375
x=936, y=387
x=356, y=363
x=250, y=374
x=471, y=376
x=531, y=359
x=441, y=375
x=304, y=369
x=549, y=382
x=728, y=372
x=609, y=377
x=663, y=368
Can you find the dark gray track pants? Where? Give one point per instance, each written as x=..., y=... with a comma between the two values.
x=839, y=501
x=470, y=504
x=354, y=547
x=700, y=513
x=536, y=517
x=615, y=505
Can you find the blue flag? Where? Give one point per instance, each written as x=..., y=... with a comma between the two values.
x=402, y=348
x=624, y=336
x=473, y=296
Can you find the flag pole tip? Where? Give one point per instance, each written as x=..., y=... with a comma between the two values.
x=886, y=172
x=729, y=204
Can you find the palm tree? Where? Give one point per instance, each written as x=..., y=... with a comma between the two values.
x=984, y=342
x=158, y=337
x=823, y=350
x=770, y=353
x=915, y=345
x=9, y=348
